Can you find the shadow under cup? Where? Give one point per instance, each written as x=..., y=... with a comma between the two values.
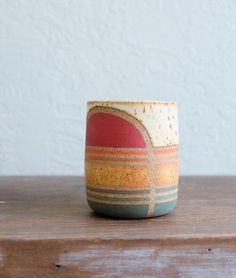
x=131, y=158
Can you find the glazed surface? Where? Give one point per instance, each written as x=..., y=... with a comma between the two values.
x=131, y=162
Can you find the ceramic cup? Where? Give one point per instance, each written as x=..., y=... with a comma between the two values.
x=131, y=158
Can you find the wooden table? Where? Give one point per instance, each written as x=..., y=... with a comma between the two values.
x=47, y=230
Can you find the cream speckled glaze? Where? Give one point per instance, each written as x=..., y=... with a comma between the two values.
x=159, y=117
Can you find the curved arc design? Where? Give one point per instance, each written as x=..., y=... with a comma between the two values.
x=144, y=132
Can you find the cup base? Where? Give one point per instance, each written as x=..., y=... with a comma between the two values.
x=130, y=211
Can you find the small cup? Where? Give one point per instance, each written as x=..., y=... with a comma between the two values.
x=131, y=158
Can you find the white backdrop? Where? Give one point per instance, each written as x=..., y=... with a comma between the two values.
x=55, y=55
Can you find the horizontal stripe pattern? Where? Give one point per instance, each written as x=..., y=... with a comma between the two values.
x=116, y=151
x=160, y=196
x=129, y=157
x=130, y=190
x=122, y=196
x=125, y=156
x=123, y=168
x=130, y=151
x=131, y=163
x=129, y=202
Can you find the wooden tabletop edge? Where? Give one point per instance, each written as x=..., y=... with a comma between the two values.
x=173, y=239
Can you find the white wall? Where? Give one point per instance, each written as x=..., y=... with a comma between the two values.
x=55, y=55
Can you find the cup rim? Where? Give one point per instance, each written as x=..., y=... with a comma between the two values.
x=125, y=102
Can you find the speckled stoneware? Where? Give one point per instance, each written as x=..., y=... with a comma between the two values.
x=131, y=160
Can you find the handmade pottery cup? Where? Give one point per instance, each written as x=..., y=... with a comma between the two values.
x=131, y=158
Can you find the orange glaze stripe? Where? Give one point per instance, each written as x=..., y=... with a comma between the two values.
x=117, y=158
x=160, y=150
x=130, y=159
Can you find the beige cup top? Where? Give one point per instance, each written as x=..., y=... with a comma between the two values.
x=160, y=118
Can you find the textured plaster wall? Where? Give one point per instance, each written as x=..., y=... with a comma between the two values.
x=55, y=55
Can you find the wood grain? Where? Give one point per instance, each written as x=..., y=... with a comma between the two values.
x=47, y=230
